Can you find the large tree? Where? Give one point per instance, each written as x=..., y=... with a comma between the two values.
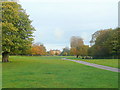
x=78, y=47
x=105, y=43
x=0, y=28
x=16, y=30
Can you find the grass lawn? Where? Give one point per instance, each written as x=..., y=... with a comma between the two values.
x=105, y=62
x=52, y=72
x=0, y=73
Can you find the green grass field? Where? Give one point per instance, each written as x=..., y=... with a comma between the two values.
x=52, y=72
x=105, y=62
x=0, y=73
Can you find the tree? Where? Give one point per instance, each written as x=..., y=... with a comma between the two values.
x=99, y=36
x=114, y=43
x=78, y=47
x=106, y=43
x=100, y=48
x=38, y=50
x=16, y=30
x=84, y=50
x=76, y=41
x=65, y=52
x=0, y=29
x=73, y=51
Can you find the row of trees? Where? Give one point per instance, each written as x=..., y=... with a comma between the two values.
x=37, y=49
x=17, y=37
x=77, y=48
x=105, y=44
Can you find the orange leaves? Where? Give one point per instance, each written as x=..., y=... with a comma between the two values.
x=38, y=50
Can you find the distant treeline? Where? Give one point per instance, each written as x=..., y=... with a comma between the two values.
x=105, y=44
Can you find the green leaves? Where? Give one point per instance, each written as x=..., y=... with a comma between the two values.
x=106, y=43
x=16, y=28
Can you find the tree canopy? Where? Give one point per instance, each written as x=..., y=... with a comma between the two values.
x=37, y=50
x=16, y=29
x=78, y=47
x=105, y=43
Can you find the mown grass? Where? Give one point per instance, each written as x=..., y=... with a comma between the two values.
x=0, y=72
x=105, y=62
x=52, y=72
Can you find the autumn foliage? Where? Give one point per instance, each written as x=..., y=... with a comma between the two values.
x=77, y=47
x=37, y=50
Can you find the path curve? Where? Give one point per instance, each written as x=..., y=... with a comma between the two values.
x=95, y=65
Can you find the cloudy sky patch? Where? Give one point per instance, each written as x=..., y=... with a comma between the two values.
x=72, y=17
x=59, y=33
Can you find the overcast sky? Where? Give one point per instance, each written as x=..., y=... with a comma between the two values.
x=56, y=21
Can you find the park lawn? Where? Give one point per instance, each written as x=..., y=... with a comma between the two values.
x=105, y=62
x=0, y=72
x=52, y=72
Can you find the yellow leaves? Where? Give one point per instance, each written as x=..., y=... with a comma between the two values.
x=38, y=50
x=73, y=51
x=82, y=50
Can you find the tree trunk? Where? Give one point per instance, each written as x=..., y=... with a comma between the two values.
x=5, y=56
x=77, y=56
